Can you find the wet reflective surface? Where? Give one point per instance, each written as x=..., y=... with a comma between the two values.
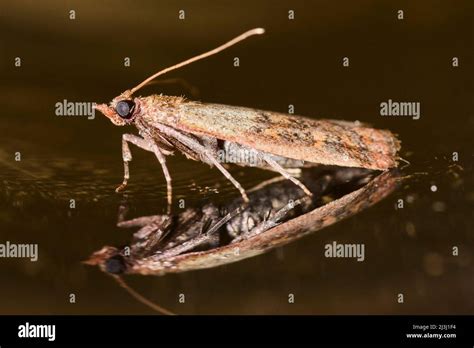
x=408, y=250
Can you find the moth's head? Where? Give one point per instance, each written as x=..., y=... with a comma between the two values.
x=122, y=110
x=109, y=259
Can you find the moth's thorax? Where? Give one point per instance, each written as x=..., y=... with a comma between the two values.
x=159, y=108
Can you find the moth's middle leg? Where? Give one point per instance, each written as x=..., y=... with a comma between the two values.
x=274, y=164
x=169, y=189
x=202, y=151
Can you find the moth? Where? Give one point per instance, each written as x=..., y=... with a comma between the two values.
x=278, y=213
x=274, y=141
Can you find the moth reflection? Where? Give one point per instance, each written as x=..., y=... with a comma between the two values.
x=278, y=213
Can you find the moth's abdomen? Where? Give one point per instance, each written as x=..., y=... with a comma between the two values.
x=231, y=152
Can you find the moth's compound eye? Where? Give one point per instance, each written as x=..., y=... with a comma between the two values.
x=125, y=108
x=115, y=264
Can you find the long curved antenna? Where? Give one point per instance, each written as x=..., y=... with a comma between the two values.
x=256, y=31
x=140, y=298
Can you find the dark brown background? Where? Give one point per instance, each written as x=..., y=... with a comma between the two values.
x=296, y=62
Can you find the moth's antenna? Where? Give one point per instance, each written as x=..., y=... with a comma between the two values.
x=256, y=31
x=140, y=298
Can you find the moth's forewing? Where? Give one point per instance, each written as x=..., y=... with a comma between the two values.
x=348, y=205
x=319, y=141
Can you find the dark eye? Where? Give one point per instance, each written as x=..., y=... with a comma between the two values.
x=115, y=264
x=125, y=108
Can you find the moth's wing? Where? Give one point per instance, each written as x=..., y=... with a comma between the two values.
x=329, y=142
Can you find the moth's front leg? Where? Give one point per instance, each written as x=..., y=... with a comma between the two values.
x=127, y=155
x=148, y=145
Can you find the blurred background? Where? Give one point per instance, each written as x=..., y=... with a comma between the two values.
x=296, y=62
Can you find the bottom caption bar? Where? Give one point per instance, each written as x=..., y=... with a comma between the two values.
x=140, y=330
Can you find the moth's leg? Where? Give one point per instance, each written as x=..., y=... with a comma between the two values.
x=195, y=146
x=127, y=155
x=200, y=239
x=266, y=183
x=122, y=210
x=271, y=221
x=228, y=176
x=147, y=145
x=283, y=172
x=169, y=189
x=147, y=230
x=141, y=221
x=156, y=232
x=147, y=224
x=203, y=151
x=149, y=238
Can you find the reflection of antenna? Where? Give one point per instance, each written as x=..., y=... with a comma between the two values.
x=140, y=298
x=256, y=31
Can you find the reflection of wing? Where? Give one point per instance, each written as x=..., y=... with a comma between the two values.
x=320, y=141
x=315, y=220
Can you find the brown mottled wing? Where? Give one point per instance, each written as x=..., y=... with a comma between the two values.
x=319, y=141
